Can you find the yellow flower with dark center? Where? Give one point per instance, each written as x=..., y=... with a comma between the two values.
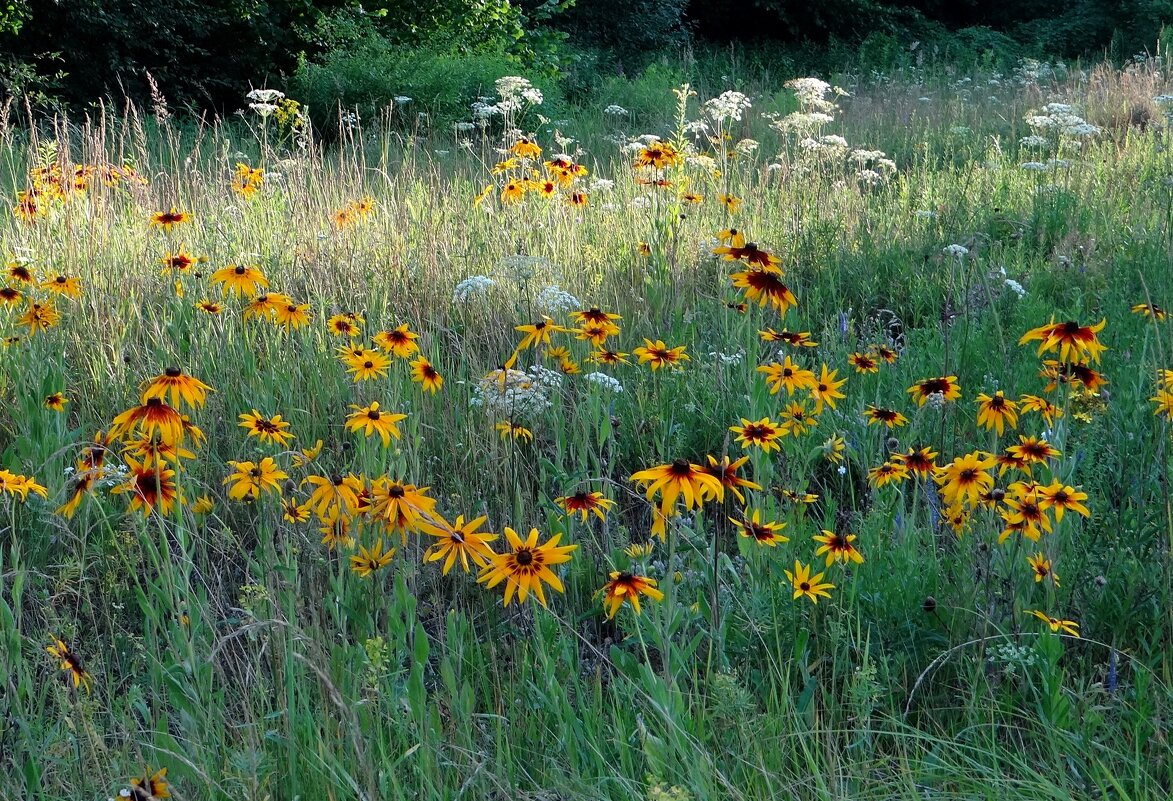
x=368, y=561
x=945, y=387
x=372, y=420
x=885, y=353
x=266, y=429
x=657, y=155
x=795, y=339
x=203, y=505
x=807, y=586
x=334, y=492
x=306, y=455
x=789, y=375
x=732, y=237
x=1024, y=515
x=71, y=664
x=765, y=286
x=56, y=401
x=240, y=279
x=527, y=567
x=1058, y=373
x=293, y=510
x=369, y=365
x=537, y=333
x=797, y=420
x=608, y=357
x=20, y=272
x=424, y=374
x=731, y=202
x=179, y=386
x=596, y=333
x=660, y=355
x=889, y=417
x=459, y=540
x=79, y=487
x=150, y=486
x=1060, y=498
x=508, y=428
x=965, y=478
x=10, y=295
x=1075, y=342
x=887, y=473
x=1041, y=406
x=335, y=530
x=1150, y=310
x=725, y=471
x=398, y=342
x=166, y=220
x=826, y=389
x=250, y=479
x=752, y=527
x=526, y=149
x=152, y=417
x=997, y=412
x=513, y=192
x=922, y=462
x=680, y=479
x=399, y=506
x=569, y=367
x=863, y=363
x=265, y=305
x=1033, y=450
x=292, y=315
x=209, y=307
x=15, y=484
x=1040, y=565
x=345, y=324
x=752, y=255
x=179, y=261
x=1057, y=624
x=837, y=547
x=63, y=285
x=150, y=450
x=586, y=503
x=578, y=199
x=625, y=586
x=764, y=434
x=38, y=316
x=150, y=786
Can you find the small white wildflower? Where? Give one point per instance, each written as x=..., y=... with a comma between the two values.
x=553, y=300
x=615, y=110
x=264, y=109
x=602, y=184
x=402, y=100
x=1034, y=140
x=641, y=202
x=1015, y=287
x=842, y=469
x=605, y=381
x=475, y=286
x=960, y=251
x=728, y=106
x=267, y=96
x=1033, y=166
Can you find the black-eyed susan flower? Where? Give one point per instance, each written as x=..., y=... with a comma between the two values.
x=371, y=420
x=1075, y=342
x=658, y=355
x=1150, y=310
x=608, y=357
x=863, y=363
x=426, y=375
x=370, y=365
x=537, y=333
x=889, y=417
x=997, y=412
x=765, y=286
x=240, y=279
x=1040, y=566
x=657, y=155
x=887, y=473
x=1059, y=498
x=180, y=387
x=19, y=271
x=680, y=479
x=797, y=420
x=335, y=530
x=150, y=786
x=1033, y=450
x=1057, y=624
x=150, y=486
x=307, y=455
x=265, y=305
x=399, y=342
x=1041, y=406
x=768, y=533
x=371, y=560
x=513, y=192
x=826, y=389
x=67, y=285
x=335, y=491
x=203, y=505
x=731, y=202
x=751, y=254
x=179, y=261
x=267, y=429
x=510, y=429
x=166, y=220
x=965, y=478
x=596, y=333
x=586, y=503
x=460, y=540
x=795, y=339
x=401, y=506
x=922, y=461
x=346, y=324
x=79, y=487
x=292, y=315
x=807, y=586
x=833, y=448
x=249, y=479
x=56, y=401
x=210, y=307
x=294, y=510
x=39, y=316
x=625, y=586
x=945, y=387
x=726, y=472
x=527, y=566
x=71, y=664
x=594, y=315
x=788, y=375
x=150, y=449
x=10, y=295
x=837, y=547
x=153, y=416
x=763, y=434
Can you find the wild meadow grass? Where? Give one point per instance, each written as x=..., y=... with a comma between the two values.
x=220, y=638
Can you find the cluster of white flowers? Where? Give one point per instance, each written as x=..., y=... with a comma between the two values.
x=554, y=300
x=264, y=100
x=515, y=92
x=614, y=110
x=726, y=358
x=802, y=121
x=601, y=184
x=1034, y=140
x=727, y=106
x=516, y=394
x=107, y=475
x=473, y=287
x=701, y=161
x=1060, y=119
x=960, y=251
x=811, y=93
x=605, y=381
x=1033, y=166
x=960, y=130
x=1015, y=287
x=746, y=147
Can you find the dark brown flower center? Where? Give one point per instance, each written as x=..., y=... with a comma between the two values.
x=524, y=557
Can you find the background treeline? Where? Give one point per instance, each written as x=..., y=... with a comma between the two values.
x=203, y=56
